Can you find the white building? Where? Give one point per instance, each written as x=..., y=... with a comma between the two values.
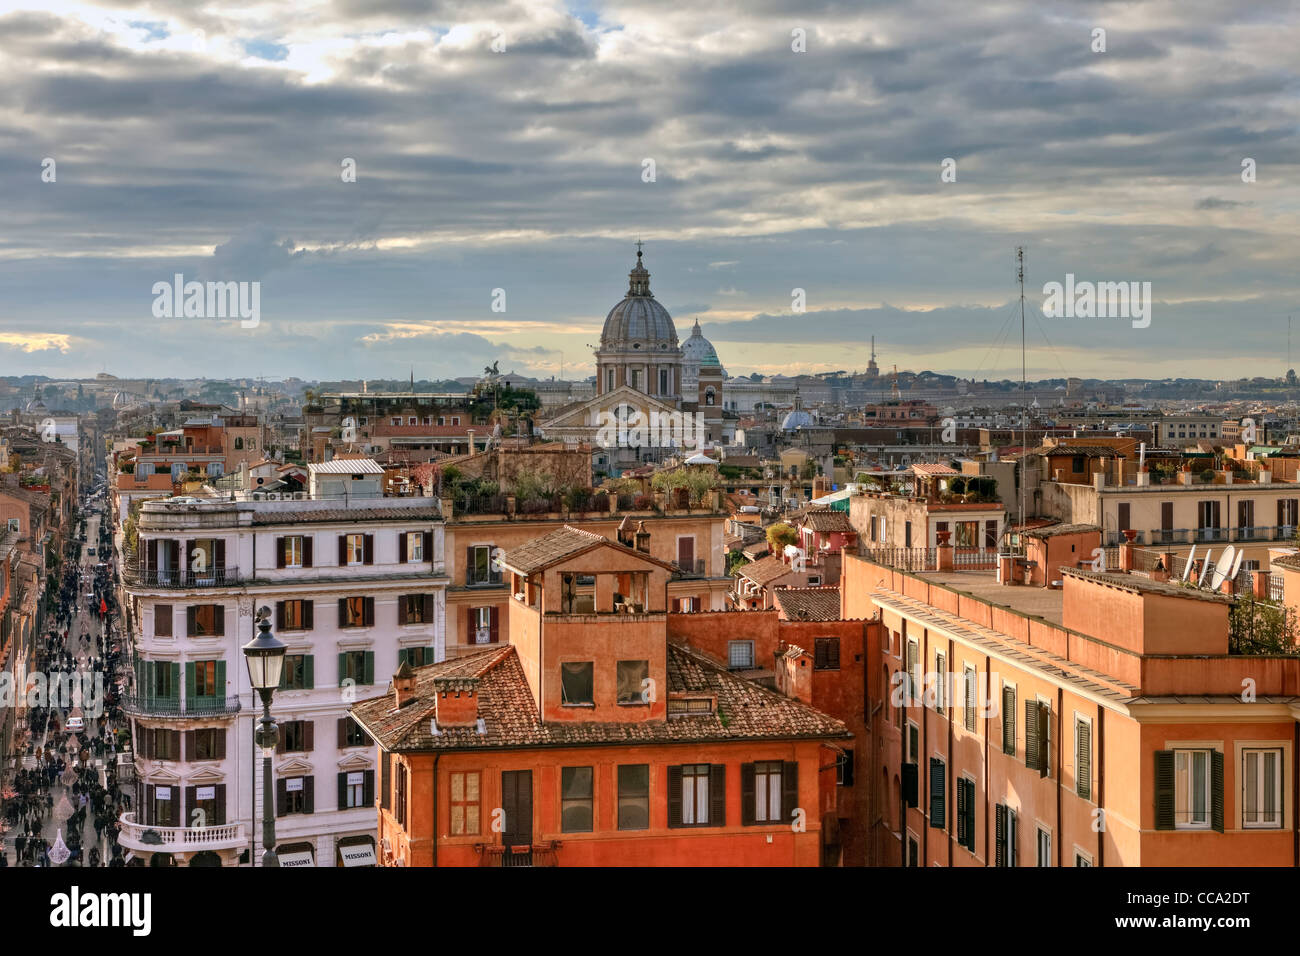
x=355, y=585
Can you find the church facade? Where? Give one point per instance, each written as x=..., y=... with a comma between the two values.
x=656, y=396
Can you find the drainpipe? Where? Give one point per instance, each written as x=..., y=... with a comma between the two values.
x=436, y=758
x=1100, y=762
x=1060, y=702
x=1295, y=799
x=988, y=724
x=949, y=796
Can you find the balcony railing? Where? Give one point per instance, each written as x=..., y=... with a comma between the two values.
x=174, y=707
x=187, y=580
x=140, y=836
x=1161, y=536
x=538, y=854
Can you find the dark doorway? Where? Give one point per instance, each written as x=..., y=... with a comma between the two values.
x=517, y=803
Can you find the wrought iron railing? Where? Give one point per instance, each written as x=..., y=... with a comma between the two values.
x=148, y=706
x=154, y=578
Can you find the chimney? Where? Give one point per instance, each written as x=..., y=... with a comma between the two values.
x=243, y=474
x=403, y=685
x=1265, y=474
x=471, y=441
x=1099, y=477
x=642, y=538
x=1144, y=477
x=456, y=701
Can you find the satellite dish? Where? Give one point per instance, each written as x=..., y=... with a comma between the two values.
x=1187, y=568
x=1236, y=565
x=1226, y=560
x=1204, y=577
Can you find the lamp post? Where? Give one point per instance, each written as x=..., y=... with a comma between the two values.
x=265, y=658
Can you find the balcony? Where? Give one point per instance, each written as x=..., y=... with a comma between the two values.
x=182, y=580
x=537, y=854
x=156, y=839
x=173, y=707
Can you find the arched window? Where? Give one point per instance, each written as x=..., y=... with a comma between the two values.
x=708, y=396
x=239, y=444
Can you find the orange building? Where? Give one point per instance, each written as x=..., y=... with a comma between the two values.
x=590, y=739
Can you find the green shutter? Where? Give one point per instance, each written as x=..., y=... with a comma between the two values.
x=310, y=679
x=970, y=815
x=370, y=668
x=1164, y=790
x=428, y=655
x=1216, y=790
x=402, y=656
x=1044, y=739
x=937, y=781
x=1031, y=734
x=221, y=680
x=1009, y=721
x=1083, y=759
x=174, y=686
x=1000, y=835
x=961, y=811
x=343, y=668
x=189, y=682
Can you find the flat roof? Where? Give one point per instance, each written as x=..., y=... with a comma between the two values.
x=1040, y=602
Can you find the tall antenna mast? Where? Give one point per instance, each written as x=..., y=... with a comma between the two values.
x=1024, y=410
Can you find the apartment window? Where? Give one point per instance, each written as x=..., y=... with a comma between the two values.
x=1077, y=465
x=576, y=683
x=774, y=793
x=165, y=678
x=162, y=744
x=164, y=807
x=415, y=656
x=696, y=797
x=297, y=672
x=395, y=421
x=966, y=813
x=356, y=612
x=296, y=615
x=479, y=566
x=356, y=789
x=1037, y=736
x=428, y=420
x=577, y=799
x=1261, y=775
x=1009, y=719
x=634, y=796
x=415, y=609
x=1081, y=858
x=970, y=709
x=294, y=551
x=913, y=742
x=913, y=851
x=826, y=654
x=740, y=655
x=1006, y=822
x=1246, y=515
x=296, y=736
x=1044, y=847
x=913, y=679
x=940, y=683
x=1083, y=758
x=400, y=795
x=872, y=527
x=350, y=734
x=162, y=620
x=414, y=547
x=483, y=627
x=354, y=549
x=907, y=534
x=207, y=744
x=1189, y=789
x=205, y=620
x=357, y=666
x=633, y=682
x=938, y=793
x=844, y=769
x=465, y=803
x=295, y=795
x=1125, y=519
x=202, y=676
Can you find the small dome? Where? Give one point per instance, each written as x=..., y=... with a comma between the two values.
x=796, y=419
x=699, y=351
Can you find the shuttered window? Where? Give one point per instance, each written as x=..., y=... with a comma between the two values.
x=940, y=683
x=1189, y=790
x=913, y=679
x=1037, y=736
x=1006, y=838
x=697, y=795
x=1083, y=758
x=970, y=712
x=464, y=804
x=1008, y=720
x=769, y=791
x=826, y=654
x=966, y=813
x=938, y=788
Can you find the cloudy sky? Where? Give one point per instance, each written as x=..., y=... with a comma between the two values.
x=506, y=145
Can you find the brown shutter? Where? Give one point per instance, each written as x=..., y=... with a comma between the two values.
x=494, y=615
x=428, y=610
x=221, y=755
x=219, y=620
x=219, y=554
x=281, y=797
x=789, y=788
x=1216, y=790
x=189, y=620
x=747, y=794
x=369, y=795
x=343, y=550
x=370, y=612
x=718, y=795
x=674, y=796
x=190, y=802
x=428, y=545
x=402, y=551
x=151, y=555
x=308, y=614
x=385, y=780
x=1083, y=759
x=1031, y=734
x=279, y=615
x=343, y=732
x=148, y=815
x=1000, y=838
x=310, y=734
x=401, y=609
x=1044, y=740
x=220, y=790
x=469, y=563
x=189, y=753
x=306, y=550
x=279, y=552
x=369, y=550
x=279, y=739
x=343, y=612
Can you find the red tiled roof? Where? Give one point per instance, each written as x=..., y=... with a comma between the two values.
x=562, y=544
x=809, y=604
x=826, y=521
x=765, y=571
x=347, y=514
x=924, y=469
x=746, y=711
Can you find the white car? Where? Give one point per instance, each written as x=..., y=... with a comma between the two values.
x=76, y=723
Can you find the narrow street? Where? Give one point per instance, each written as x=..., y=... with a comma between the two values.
x=64, y=803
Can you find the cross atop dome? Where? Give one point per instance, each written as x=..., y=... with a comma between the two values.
x=639, y=278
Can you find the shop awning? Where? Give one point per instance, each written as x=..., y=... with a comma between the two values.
x=298, y=858
x=362, y=854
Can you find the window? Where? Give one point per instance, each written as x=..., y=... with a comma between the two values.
x=913, y=681
x=295, y=795
x=428, y=420
x=296, y=615
x=913, y=851
x=415, y=547
x=577, y=799
x=1081, y=858
x=206, y=620
x=1083, y=757
x=633, y=682
x=295, y=736
x=940, y=683
x=826, y=654
x=207, y=744
x=356, y=612
x=395, y=421
x=771, y=790
x=354, y=549
x=1125, y=520
x=1189, y=789
x=634, y=796
x=1077, y=465
x=465, y=803
x=1006, y=838
x=205, y=679
x=399, y=795
x=415, y=656
x=1037, y=736
x=483, y=625
x=695, y=795
x=663, y=381
x=576, y=680
x=480, y=568
x=907, y=534
x=162, y=744
x=740, y=655
x=164, y=807
x=1044, y=847
x=938, y=793
x=1009, y=719
x=297, y=672
x=913, y=742
x=970, y=709
x=162, y=620
x=356, y=789
x=844, y=769
x=292, y=552
x=350, y=734
x=1261, y=775
x=357, y=666
x=415, y=609
x=966, y=813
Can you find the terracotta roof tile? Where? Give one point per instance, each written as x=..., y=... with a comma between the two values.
x=765, y=571
x=826, y=521
x=809, y=604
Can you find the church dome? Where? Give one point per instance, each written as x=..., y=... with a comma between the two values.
x=796, y=419
x=639, y=322
x=699, y=351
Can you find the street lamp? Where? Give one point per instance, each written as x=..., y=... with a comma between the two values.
x=265, y=657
